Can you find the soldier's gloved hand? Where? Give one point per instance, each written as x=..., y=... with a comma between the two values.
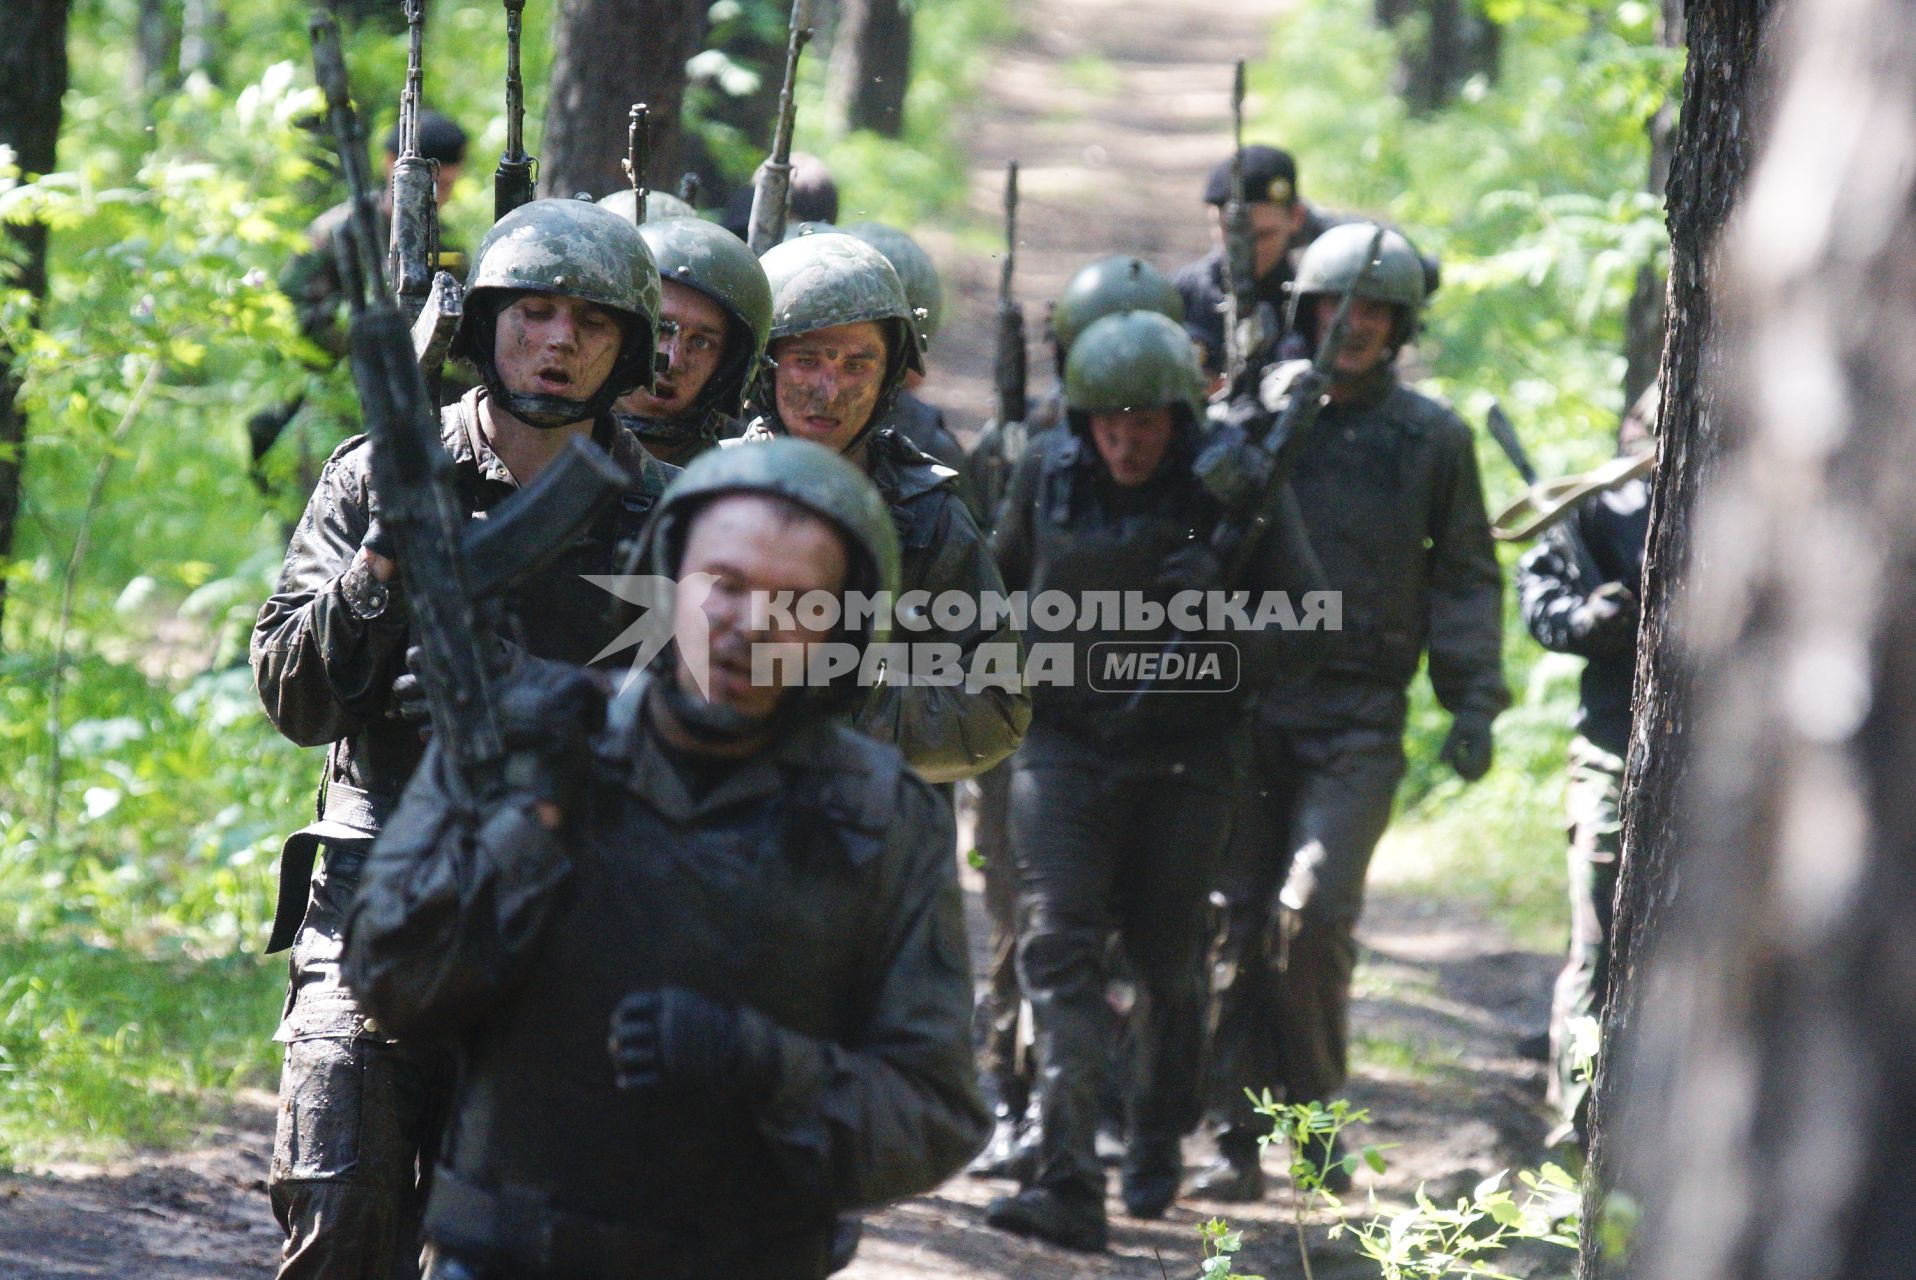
x=675, y=1037
x=1467, y=748
x=1606, y=622
x=1191, y=567
x=548, y=713
x=409, y=695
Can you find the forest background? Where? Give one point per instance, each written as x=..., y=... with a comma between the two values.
x=143, y=796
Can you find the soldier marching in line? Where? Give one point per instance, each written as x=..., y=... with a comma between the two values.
x=706, y=962
x=561, y=312
x=1389, y=490
x=843, y=340
x=1120, y=804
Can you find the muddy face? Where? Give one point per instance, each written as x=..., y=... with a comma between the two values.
x=548, y=345
x=827, y=382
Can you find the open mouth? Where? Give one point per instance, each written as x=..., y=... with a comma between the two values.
x=821, y=425
x=552, y=378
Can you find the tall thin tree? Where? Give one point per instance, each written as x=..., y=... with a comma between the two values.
x=33, y=79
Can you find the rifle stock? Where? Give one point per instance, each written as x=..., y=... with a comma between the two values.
x=772, y=191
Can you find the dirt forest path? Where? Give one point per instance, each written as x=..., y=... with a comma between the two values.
x=1115, y=109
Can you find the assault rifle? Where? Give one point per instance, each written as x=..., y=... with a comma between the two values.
x=638, y=152
x=512, y=180
x=414, y=251
x=772, y=191
x=1241, y=319
x=452, y=568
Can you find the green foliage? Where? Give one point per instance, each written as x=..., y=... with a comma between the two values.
x=1427, y=1241
x=1221, y=1247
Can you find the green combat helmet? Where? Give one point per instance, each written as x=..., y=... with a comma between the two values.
x=916, y=272
x=1333, y=260
x=814, y=478
x=705, y=256
x=1133, y=360
x=825, y=280
x=1106, y=287
x=575, y=249
x=659, y=205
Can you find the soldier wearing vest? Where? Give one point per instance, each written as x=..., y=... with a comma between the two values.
x=1121, y=802
x=705, y=965
x=561, y=309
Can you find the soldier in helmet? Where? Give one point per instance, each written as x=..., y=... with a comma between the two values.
x=716, y=313
x=706, y=963
x=1104, y=287
x=843, y=340
x=919, y=422
x=1120, y=800
x=561, y=309
x=659, y=205
x=1101, y=288
x=1389, y=489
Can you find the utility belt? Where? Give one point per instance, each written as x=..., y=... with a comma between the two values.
x=516, y=1231
x=348, y=820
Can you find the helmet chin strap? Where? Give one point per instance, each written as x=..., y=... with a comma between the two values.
x=544, y=412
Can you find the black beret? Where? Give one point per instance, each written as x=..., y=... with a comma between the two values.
x=439, y=139
x=1270, y=176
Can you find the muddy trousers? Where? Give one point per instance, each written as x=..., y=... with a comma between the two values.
x=1097, y=849
x=359, y=1116
x=1593, y=798
x=1004, y=1067
x=1293, y=883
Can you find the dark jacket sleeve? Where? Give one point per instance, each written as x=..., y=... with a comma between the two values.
x=447, y=913
x=1549, y=590
x=1466, y=587
x=954, y=731
x=1286, y=562
x=324, y=671
x=897, y=1111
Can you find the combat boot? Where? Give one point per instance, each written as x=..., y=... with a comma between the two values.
x=1235, y=1177
x=1045, y=1214
x=1150, y=1178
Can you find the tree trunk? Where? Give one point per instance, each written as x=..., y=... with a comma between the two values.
x=33, y=79
x=871, y=66
x=1445, y=43
x=607, y=55
x=1723, y=96
x=1786, y=995
x=1648, y=319
x=150, y=69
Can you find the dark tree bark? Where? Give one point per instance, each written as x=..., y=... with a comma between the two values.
x=1786, y=992
x=607, y=55
x=871, y=66
x=1648, y=320
x=1724, y=93
x=33, y=79
x=1447, y=42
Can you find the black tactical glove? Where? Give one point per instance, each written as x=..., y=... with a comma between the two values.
x=1606, y=622
x=671, y=1036
x=409, y=695
x=1467, y=748
x=548, y=712
x=1191, y=567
